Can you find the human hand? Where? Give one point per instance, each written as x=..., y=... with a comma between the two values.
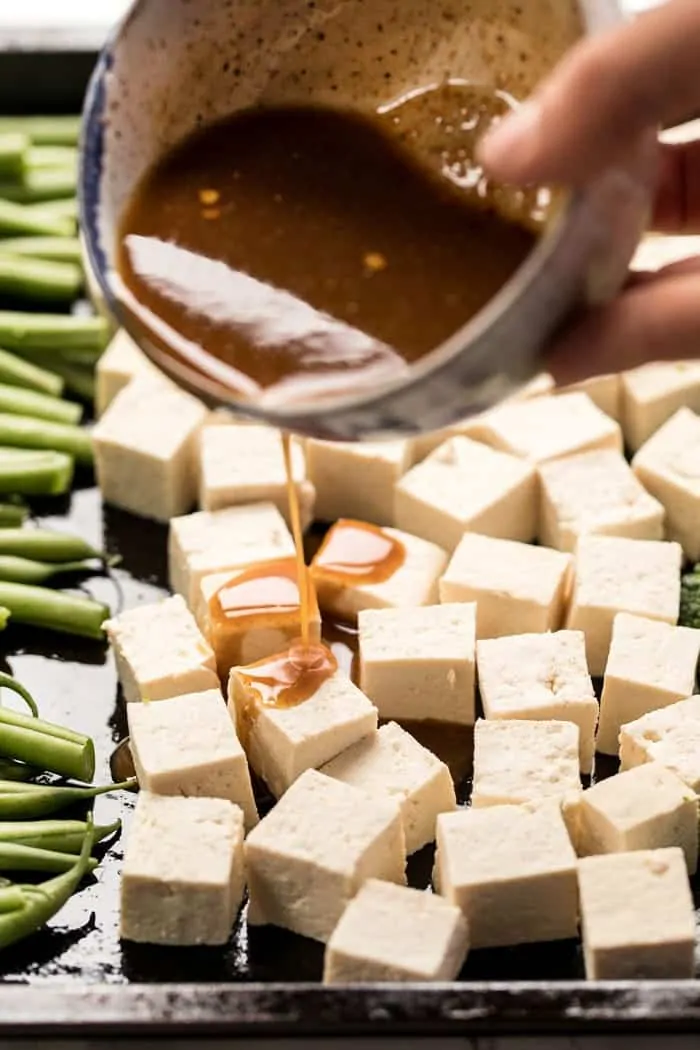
x=603, y=104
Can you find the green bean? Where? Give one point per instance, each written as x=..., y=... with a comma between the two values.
x=26, y=570
x=41, y=184
x=43, y=901
x=4, y=617
x=13, y=148
x=35, y=473
x=8, y=681
x=11, y=770
x=46, y=746
x=16, y=372
x=55, y=249
x=30, y=801
x=44, y=131
x=79, y=380
x=25, y=402
x=47, y=545
x=14, y=856
x=16, y=220
x=31, y=433
x=12, y=514
x=66, y=209
x=41, y=607
x=52, y=330
x=39, y=280
x=11, y=899
x=64, y=836
x=49, y=156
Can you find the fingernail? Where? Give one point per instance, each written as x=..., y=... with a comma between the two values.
x=508, y=148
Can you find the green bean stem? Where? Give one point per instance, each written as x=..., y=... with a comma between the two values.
x=16, y=372
x=44, y=131
x=33, y=801
x=12, y=515
x=52, y=330
x=47, y=545
x=41, y=607
x=23, y=402
x=55, y=249
x=41, y=184
x=14, y=856
x=8, y=681
x=13, y=149
x=30, y=433
x=34, y=473
x=17, y=220
x=38, y=280
x=64, y=836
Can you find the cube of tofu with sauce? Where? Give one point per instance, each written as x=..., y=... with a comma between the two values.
x=248, y=614
x=282, y=742
x=215, y=541
x=549, y=428
x=512, y=871
x=360, y=566
x=637, y=916
x=517, y=588
x=356, y=479
x=540, y=677
x=188, y=746
x=310, y=855
x=145, y=449
x=604, y=391
x=614, y=575
x=121, y=362
x=183, y=875
x=648, y=807
x=418, y=664
x=521, y=761
x=160, y=652
x=670, y=737
x=464, y=485
x=651, y=665
x=668, y=465
x=245, y=464
x=595, y=493
x=392, y=763
x=653, y=393
x=393, y=933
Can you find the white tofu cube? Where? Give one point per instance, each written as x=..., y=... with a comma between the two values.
x=245, y=464
x=540, y=677
x=356, y=479
x=183, y=874
x=653, y=393
x=651, y=665
x=311, y=854
x=418, y=664
x=145, y=449
x=595, y=493
x=360, y=566
x=160, y=652
x=121, y=362
x=669, y=736
x=393, y=933
x=637, y=916
x=282, y=742
x=668, y=465
x=188, y=746
x=614, y=575
x=521, y=761
x=517, y=588
x=604, y=391
x=512, y=871
x=643, y=808
x=549, y=428
x=392, y=763
x=208, y=542
x=465, y=485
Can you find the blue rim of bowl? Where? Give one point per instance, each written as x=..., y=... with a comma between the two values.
x=435, y=363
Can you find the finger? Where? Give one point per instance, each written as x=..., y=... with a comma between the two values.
x=604, y=95
x=652, y=321
x=677, y=207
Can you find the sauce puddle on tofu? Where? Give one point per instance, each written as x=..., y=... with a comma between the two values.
x=357, y=552
x=291, y=252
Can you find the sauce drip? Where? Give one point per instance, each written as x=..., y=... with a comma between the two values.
x=298, y=536
x=291, y=252
x=261, y=594
x=357, y=552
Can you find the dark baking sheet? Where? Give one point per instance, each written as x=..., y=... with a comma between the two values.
x=76, y=980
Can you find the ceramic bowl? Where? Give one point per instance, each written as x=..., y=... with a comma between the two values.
x=174, y=65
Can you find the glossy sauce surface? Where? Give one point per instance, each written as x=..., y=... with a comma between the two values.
x=308, y=250
x=262, y=594
x=356, y=552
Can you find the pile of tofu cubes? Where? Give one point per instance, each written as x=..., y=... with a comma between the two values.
x=536, y=560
